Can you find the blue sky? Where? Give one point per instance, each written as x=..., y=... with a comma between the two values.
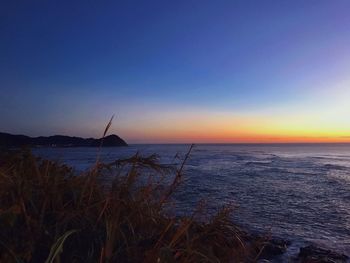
x=67, y=67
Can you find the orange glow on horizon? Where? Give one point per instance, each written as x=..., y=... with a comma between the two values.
x=204, y=138
x=227, y=128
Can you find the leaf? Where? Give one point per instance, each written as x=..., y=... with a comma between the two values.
x=107, y=127
x=57, y=248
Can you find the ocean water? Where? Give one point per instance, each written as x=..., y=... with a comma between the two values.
x=299, y=192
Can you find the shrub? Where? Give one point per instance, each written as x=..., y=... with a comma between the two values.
x=112, y=213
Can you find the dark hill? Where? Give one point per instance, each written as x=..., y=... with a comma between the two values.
x=10, y=140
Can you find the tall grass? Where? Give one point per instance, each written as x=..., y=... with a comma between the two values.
x=112, y=213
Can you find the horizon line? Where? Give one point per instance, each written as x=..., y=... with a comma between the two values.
x=230, y=143
x=313, y=140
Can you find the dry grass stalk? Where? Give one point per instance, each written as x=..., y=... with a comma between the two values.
x=41, y=201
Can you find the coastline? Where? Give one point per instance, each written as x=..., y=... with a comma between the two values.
x=279, y=249
x=269, y=184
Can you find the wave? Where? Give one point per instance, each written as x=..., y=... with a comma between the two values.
x=257, y=163
x=334, y=167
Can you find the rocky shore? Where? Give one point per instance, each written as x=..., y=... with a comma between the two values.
x=275, y=250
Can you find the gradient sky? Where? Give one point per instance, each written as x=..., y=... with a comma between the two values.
x=177, y=71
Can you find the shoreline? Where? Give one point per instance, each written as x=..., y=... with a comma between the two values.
x=269, y=249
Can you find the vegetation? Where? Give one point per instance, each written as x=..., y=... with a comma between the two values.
x=50, y=214
x=117, y=212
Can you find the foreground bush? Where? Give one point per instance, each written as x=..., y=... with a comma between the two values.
x=112, y=213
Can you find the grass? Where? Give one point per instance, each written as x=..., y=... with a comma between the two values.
x=50, y=214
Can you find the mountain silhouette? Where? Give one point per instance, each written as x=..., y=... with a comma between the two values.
x=10, y=140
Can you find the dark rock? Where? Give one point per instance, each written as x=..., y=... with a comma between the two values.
x=313, y=254
x=274, y=248
x=10, y=140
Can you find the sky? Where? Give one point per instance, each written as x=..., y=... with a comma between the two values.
x=177, y=71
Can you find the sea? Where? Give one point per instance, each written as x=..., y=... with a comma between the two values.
x=297, y=192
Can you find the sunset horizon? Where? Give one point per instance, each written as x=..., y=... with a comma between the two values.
x=152, y=131
x=186, y=73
